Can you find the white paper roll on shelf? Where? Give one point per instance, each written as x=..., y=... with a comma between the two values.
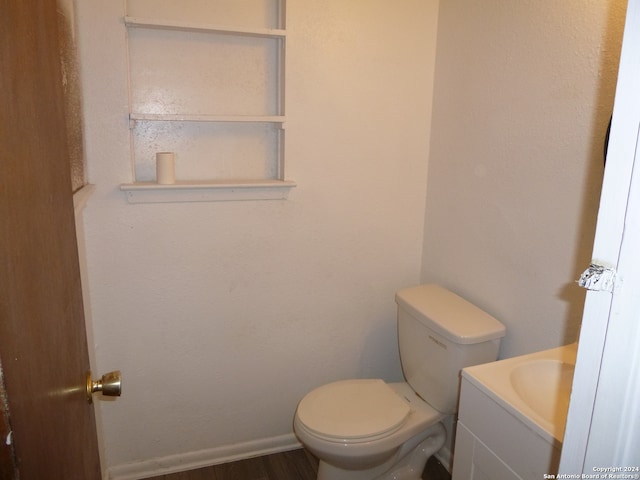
x=165, y=168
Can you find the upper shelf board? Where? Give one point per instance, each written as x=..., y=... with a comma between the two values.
x=203, y=28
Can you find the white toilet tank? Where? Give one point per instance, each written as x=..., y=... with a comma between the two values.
x=439, y=334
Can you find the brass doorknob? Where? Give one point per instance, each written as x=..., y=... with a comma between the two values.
x=110, y=385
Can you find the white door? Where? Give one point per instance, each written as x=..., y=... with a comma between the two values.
x=603, y=425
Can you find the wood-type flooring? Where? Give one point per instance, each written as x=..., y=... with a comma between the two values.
x=292, y=465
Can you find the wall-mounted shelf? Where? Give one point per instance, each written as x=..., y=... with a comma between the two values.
x=233, y=76
x=179, y=117
x=203, y=191
x=203, y=28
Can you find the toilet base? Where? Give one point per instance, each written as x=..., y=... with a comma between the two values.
x=407, y=464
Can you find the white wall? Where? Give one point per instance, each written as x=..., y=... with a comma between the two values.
x=523, y=94
x=222, y=315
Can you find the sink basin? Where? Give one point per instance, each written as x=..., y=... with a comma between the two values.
x=545, y=386
x=534, y=388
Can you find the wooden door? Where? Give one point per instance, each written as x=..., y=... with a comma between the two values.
x=43, y=347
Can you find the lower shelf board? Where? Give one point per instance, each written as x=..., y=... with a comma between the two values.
x=207, y=191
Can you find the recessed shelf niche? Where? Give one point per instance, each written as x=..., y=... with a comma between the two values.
x=211, y=91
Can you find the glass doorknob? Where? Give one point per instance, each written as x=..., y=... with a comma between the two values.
x=110, y=385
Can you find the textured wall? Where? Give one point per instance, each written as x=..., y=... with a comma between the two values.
x=523, y=94
x=221, y=316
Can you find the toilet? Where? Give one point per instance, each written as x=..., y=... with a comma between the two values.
x=367, y=429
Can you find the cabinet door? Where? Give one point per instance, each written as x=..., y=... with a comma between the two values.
x=474, y=461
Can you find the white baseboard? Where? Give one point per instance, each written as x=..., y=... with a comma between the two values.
x=202, y=458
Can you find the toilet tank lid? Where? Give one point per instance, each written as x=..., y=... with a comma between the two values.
x=450, y=315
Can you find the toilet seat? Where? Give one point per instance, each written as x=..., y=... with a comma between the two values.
x=353, y=410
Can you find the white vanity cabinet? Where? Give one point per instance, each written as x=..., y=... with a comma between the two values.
x=493, y=444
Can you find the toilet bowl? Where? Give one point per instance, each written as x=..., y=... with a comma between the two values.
x=367, y=429
x=360, y=428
